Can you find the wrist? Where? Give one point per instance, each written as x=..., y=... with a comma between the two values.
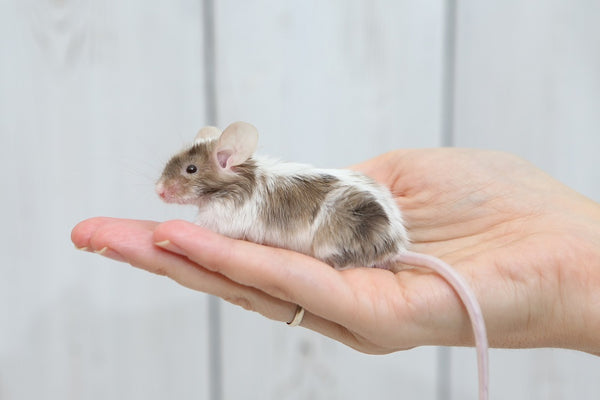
x=585, y=305
x=593, y=305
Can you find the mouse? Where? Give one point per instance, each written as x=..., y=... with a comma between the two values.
x=341, y=217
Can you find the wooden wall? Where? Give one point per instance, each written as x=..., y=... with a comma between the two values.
x=95, y=96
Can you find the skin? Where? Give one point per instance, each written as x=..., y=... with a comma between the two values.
x=528, y=246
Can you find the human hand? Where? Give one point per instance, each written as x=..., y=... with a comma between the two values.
x=526, y=244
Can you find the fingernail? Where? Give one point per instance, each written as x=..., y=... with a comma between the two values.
x=164, y=243
x=167, y=245
x=109, y=253
x=84, y=248
x=101, y=251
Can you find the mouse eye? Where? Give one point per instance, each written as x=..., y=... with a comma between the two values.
x=191, y=169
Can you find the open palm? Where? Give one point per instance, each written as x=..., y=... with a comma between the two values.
x=515, y=234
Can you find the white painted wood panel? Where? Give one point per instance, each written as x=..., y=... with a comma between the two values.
x=94, y=96
x=329, y=83
x=528, y=82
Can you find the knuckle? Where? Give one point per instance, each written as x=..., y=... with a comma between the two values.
x=278, y=291
x=159, y=270
x=155, y=269
x=241, y=301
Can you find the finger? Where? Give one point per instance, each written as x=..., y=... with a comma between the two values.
x=133, y=241
x=344, y=305
x=83, y=231
x=283, y=274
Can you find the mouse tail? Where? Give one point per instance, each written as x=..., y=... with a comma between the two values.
x=466, y=295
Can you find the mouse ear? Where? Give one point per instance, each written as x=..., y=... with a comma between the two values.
x=236, y=144
x=207, y=133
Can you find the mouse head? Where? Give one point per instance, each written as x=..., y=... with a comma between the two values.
x=217, y=165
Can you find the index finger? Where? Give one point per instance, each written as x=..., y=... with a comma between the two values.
x=281, y=273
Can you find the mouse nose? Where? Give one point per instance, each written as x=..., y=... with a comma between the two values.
x=170, y=192
x=161, y=190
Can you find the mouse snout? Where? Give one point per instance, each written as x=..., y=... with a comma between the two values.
x=166, y=192
x=160, y=190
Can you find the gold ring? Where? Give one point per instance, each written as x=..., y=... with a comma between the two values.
x=297, y=317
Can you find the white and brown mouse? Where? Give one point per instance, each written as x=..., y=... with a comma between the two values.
x=338, y=216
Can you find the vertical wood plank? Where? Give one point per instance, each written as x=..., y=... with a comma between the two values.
x=528, y=82
x=94, y=96
x=329, y=83
x=215, y=344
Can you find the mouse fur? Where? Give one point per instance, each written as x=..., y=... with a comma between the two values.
x=341, y=217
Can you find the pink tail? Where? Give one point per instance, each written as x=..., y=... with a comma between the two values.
x=466, y=295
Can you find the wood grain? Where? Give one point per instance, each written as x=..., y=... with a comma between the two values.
x=94, y=96
x=328, y=83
